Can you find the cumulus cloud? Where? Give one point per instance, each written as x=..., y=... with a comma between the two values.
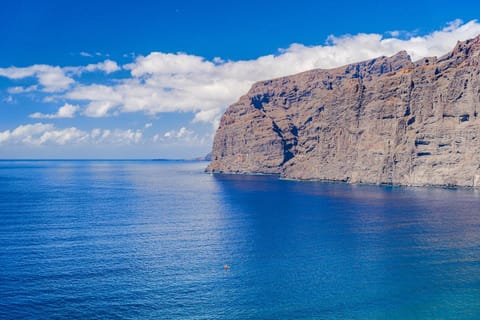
x=181, y=133
x=66, y=111
x=41, y=134
x=183, y=136
x=166, y=82
x=18, y=89
x=212, y=115
x=101, y=99
x=107, y=66
x=121, y=136
x=24, y=133
x=53, y=78
x=50, y=78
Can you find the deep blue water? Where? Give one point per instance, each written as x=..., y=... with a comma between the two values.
x=148, y=240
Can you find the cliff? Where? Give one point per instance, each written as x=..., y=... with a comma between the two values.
x=384, y=121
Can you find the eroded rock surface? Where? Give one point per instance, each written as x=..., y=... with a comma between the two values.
x=388, y=120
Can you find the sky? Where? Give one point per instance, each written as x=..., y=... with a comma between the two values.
x=151, y=79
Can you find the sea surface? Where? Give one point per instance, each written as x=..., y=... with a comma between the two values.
x=149, y=240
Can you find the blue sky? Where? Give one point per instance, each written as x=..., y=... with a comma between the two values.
x=150, y=79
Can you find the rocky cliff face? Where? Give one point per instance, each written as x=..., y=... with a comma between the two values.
x=387, y=120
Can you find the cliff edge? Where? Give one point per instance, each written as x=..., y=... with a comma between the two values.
x=385, y=121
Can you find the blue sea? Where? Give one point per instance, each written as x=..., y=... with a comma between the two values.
x=150, y=239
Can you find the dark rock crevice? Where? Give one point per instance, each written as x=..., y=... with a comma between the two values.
x=260, y=99
x=288, y=145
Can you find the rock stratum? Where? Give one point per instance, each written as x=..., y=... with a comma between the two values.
x=384, y=121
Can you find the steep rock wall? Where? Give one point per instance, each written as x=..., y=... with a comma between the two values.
x=387, y=120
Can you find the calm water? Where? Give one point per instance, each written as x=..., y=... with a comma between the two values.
x=148, y=240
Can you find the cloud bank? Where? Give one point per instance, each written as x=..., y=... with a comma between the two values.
x=53, y=78
x=166, y=82
x=45, y=133
x=179, y=82
x=66, y=111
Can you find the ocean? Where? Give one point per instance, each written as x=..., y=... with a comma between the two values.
x=151, y=239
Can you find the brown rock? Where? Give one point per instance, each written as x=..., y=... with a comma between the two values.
x=383, y=121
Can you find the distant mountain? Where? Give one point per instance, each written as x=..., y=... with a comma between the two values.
x=207, y=157
x=386, y=121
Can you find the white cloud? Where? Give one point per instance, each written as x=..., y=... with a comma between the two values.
x=155, y=138
x=4, y=136
x=169, y=63
x=183, y=136
x=394, y=33
x=107, y=66
x=16, y=90
x=148, y=125
x=129, y=55
x=181, y=133
x=90, y=55
x=60, y=136
x=66, y=111
x=9, y=99
x=126, y=136
x=97, y=109
x=24, y=133
x=42, y=134
x=101, y=99
x=212, y=115
x=51, y=78
x=86, y=54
